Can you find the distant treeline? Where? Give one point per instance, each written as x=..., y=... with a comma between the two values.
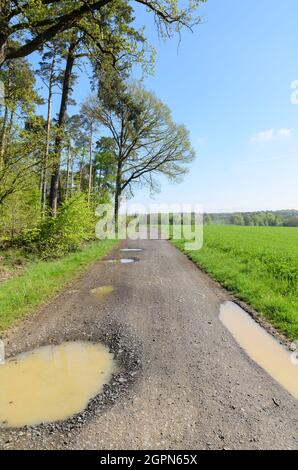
x=282, y=218
x=286, y=218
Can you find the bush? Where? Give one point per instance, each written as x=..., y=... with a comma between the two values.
x=18, y=213
x=55, y=237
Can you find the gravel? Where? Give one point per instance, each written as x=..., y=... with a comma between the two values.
x=182, y=381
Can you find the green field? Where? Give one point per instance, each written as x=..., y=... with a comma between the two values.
x=259, y=265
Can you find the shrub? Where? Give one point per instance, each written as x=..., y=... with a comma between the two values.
x=55, y=237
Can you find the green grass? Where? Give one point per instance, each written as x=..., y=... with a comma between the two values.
x=259, y=265
x=43, y=279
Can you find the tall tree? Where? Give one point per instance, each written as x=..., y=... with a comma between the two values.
x=148, y=142
x=89, y=123
x=20, y=95
x=21, y=134
x=105, y=164
x=66, y=89
x=116, y=37
x=49, y=72
x=77, y=143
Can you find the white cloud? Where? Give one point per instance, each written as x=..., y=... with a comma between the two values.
x=264, y=136
x=284, y=133
x=271, y=134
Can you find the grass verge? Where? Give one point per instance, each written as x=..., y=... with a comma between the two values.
x=43, y=279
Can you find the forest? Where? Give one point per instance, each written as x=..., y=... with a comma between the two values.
x=57, y=165
x=286, y=218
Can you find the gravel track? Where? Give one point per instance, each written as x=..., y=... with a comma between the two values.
x=183, y=382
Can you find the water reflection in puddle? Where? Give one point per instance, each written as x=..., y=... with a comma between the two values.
x=52, y=383
x=261, y=346
x=123, y=261
x=131, y=249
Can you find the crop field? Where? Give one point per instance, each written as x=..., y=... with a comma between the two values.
x=259, y=265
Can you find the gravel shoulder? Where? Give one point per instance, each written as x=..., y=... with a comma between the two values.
x=183, y=382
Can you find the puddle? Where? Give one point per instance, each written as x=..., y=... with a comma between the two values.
x=102, y=291
x=127, y=260
x=123, y=260
x=52, y=383
x=261, y=346
x=131, y=249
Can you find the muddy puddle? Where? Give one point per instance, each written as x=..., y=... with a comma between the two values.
x=102, y=291
x=263, y=348
x=52, y=383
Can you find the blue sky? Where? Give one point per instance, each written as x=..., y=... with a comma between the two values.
x=229, y=83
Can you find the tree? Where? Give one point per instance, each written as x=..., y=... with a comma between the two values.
x=38, y=22
x=105, y=164
x=49, y=72
x=20, y=95
x=80, y=142
x=90, y=126
x=19, y=211
x=238, y=219
x=291, y=221
x=118, y=40
x=66, y=89
x=207, y=219
x=51, y=159
x=148, y=142
x=21, y=139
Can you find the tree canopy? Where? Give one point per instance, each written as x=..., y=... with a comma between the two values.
x=34, y=22
x=147, y=140
x=53, y=159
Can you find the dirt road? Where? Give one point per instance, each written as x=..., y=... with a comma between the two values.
x=183, y=382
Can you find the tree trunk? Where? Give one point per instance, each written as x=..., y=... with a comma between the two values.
x=59, y=138
x=90, y=165
x=3, y=41
x=99, y=180
x=5, y=121
x=81, y=171
x=71, y=176
x=3, y=136
x=44, y=171
x=69, y=165
x=10, y=126
x=2, y=54
x=117, y=193
x=116, y=209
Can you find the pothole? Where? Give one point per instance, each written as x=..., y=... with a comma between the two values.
x=261, y=346
x=102, y=291
x=52, y=383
